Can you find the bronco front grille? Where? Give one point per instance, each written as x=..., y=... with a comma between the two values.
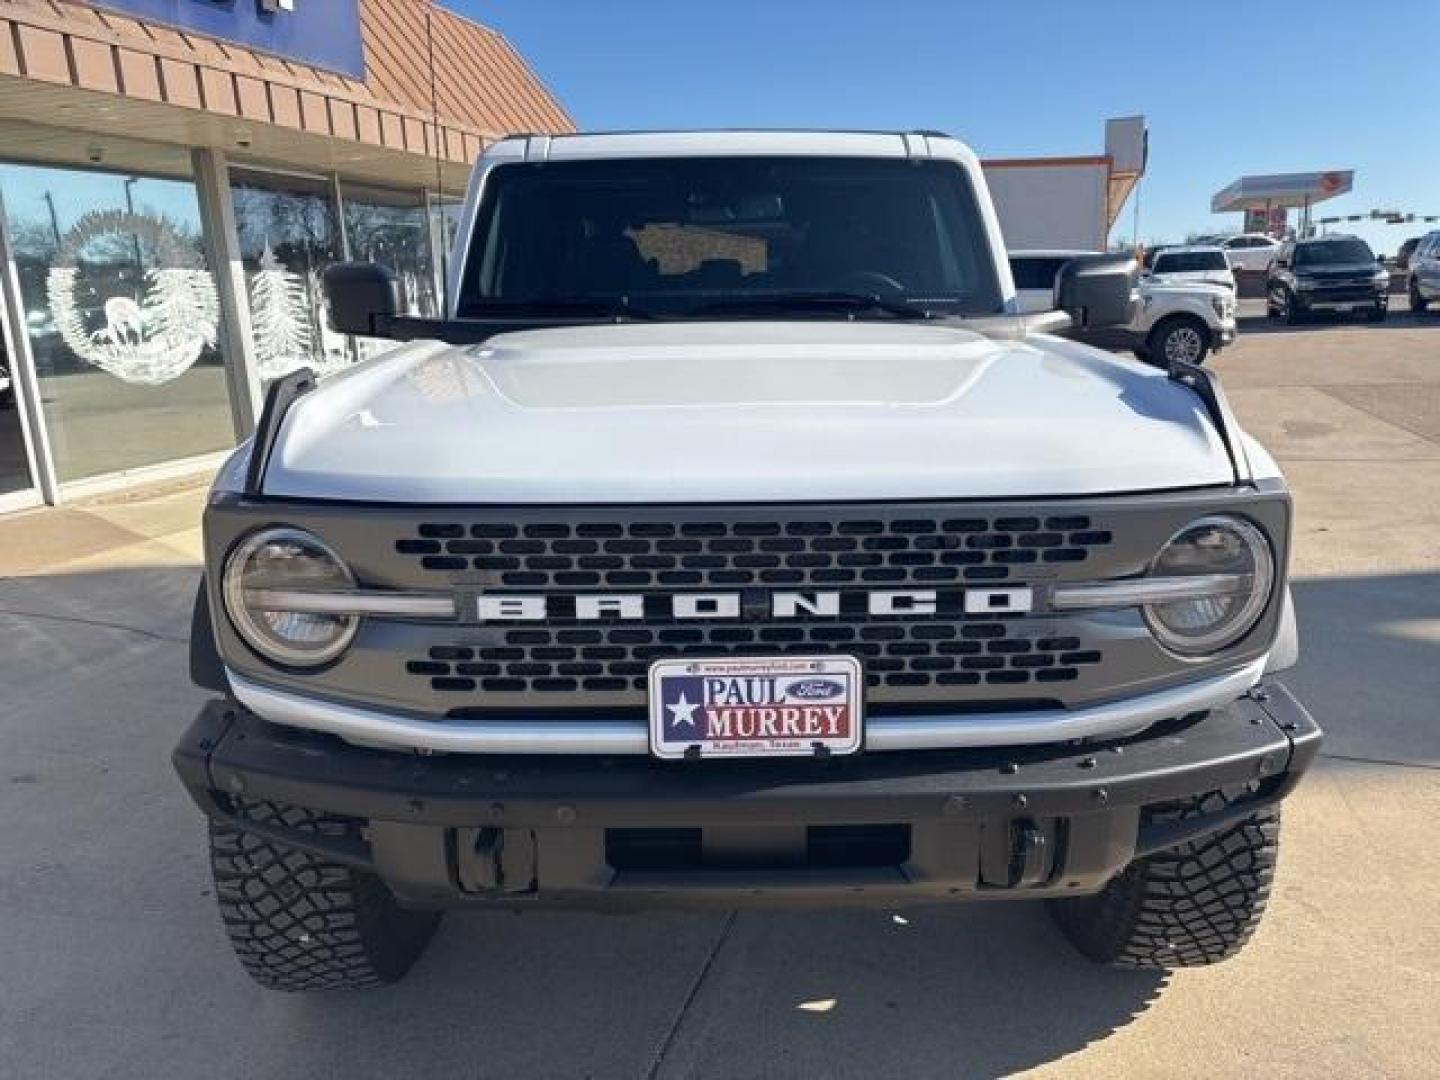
x=567, y=664
x=906, y=659
x=893, y=551
x=1342, y=291
x=614, y=659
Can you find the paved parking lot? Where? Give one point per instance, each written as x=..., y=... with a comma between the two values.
x=113, y=964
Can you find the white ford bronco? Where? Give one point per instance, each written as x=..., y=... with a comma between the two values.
x=735, y=540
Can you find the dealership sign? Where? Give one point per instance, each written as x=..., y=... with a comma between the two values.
x=321, y=33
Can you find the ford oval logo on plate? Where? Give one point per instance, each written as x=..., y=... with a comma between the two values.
x=816, y=689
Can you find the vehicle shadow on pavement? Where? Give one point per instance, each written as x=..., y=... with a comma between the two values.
x=950, y=991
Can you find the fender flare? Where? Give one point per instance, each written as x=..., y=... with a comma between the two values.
x=1285, y=653
x=207, y=670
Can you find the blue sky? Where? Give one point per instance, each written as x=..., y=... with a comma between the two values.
x=1227, y=88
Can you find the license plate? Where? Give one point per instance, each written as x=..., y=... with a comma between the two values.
x=790, y=706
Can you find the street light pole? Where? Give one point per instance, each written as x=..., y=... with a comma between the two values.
x=130, y=182
x=54, y=218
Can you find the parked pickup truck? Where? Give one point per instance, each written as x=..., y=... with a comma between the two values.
x=734, y=540
x=1171, y=321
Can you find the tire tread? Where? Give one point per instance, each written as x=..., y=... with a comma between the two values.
x=1190, y=906
x=300, y=922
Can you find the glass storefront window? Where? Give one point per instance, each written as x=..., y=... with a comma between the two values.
x=392, y=228
x=448, y=211
x=122, y=316
x=14, y=465
x=289, y=234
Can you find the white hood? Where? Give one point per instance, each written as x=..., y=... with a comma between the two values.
x=743, y=412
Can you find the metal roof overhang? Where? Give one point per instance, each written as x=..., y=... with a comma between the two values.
x=46, y=123
x=1281, y=190
x=76, y=81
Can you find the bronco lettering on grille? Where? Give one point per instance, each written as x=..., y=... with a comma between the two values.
x=515, y=607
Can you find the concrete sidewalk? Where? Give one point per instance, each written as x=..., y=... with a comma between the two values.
x=115, y=964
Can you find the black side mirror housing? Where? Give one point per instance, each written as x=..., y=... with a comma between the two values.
x=363, y=298
x=1097, y=290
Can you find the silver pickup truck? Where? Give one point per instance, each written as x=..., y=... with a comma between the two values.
x=1173, y=320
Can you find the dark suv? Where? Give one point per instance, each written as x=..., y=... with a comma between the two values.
x=1326, y=273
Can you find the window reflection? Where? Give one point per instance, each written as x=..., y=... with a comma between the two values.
x=392, y=228
x=14, y=468
x=288, y=235
x=448, y=211
x=122, y=316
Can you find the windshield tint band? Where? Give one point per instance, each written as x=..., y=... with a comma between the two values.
x=1333, y=253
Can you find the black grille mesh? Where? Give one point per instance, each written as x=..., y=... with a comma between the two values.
x=797, y=552
x=615, y=658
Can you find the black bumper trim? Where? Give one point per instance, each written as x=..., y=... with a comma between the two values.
x=1263, y=743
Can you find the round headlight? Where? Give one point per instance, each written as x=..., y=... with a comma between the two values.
x=1238, y=554
x=272, y=561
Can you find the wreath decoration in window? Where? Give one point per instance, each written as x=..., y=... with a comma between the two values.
x=155, y=332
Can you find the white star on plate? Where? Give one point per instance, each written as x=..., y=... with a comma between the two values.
x=682, y=712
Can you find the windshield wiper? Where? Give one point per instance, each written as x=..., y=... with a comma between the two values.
x=618, y=308
x=848, y=303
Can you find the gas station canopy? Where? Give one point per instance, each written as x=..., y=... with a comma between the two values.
x=1281, y=190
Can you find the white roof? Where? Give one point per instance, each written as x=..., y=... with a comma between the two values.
x=1177, y=249
x=727, y=143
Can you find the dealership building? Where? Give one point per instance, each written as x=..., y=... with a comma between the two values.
x=176, y=175
x=1069, y=203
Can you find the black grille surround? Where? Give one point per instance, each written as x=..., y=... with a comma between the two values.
x=1342, y=292
x=947, y=660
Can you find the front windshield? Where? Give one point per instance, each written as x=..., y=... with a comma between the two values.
x=685, y=236
x=1333, y=253
x=1190, y=262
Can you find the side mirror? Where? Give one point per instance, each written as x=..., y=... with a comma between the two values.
x=363, y=298
x=1097, y=290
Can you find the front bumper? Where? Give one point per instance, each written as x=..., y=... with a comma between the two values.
x=626, y=832
x=1343, y=298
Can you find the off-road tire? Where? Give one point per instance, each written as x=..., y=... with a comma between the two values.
x=1417, y=302
x=298, y=921
x=1190, y=906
